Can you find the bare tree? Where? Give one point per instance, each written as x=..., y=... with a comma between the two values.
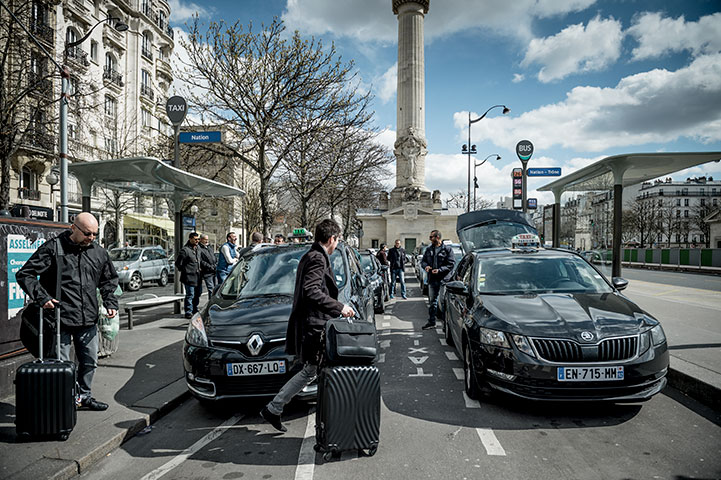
x=700, y=211
x=456, y=199
x=265, y=86
x=669, y=222
x=644, y=220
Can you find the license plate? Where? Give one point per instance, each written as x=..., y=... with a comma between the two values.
x=589, y=374
x=276, y=367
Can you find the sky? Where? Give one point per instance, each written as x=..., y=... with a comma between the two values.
x=584, y=79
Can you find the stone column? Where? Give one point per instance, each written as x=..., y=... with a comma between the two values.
x=410, y=146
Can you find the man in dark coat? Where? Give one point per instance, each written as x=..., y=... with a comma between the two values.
x=397, y=261
x=438, y=261
x=207, y=264
x=314, y=303
x=188, y=264
x=85, y=267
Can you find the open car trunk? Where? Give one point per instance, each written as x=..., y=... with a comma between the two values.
x=493, y=228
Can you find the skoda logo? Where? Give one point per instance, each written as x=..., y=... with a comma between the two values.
x=586, y=336
x=255, y=343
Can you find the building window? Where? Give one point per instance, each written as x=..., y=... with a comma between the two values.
x=111, y=146
x=678, y=238
x=110, y=106
x=147, y=118
x=147, y=47
x=684, y=191
x=685, y=214
x=702, y=191
x=161, y=19
x=72, y=131
x=678, y=213
x=703, y=202
x=685, y=202
x=715, y=202
x=94, y=51
x=678, y=202
x=139, y=206
x=110, y=63
x=145, y=79
x=28, y=179
x=71, y=36
x=374, y=243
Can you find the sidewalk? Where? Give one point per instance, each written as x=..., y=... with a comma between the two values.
x=144, y=380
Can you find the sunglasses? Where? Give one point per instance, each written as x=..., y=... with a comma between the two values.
x=87, y=234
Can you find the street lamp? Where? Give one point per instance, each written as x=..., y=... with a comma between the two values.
x=475, y=179
x=471, y=149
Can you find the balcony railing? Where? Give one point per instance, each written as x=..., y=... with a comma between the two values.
x=39, y=139
x=148, y=10
x=147, y=91
x=28, y=193
x=43, y=31
x=41, y=85
x=113, y=76
x=147, y=52
x=171, y=34
x=77, y=55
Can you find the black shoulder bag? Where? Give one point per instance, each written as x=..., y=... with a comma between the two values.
x=350, y=342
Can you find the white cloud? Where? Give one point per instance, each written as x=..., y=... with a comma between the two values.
x=656, y=106
x=181, y=11
x=387, y=138
x=659, y=35
x=375, y=21
x=388, y=83
x=576, y=49
x=518, y=78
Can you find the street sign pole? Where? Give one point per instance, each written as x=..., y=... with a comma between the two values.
x=524, y=150
x=176, y=108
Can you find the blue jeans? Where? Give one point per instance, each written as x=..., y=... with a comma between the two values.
x=85, y=340
x=210, y=285
x=398, y=274
x=192, y=297
x=220, y=276
x=434, y=287
x=292, y=388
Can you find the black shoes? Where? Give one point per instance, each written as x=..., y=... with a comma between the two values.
x=91, y=404
x=188, y=315
x=429, y=326
x=272, y=419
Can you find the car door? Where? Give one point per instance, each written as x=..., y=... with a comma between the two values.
x=456, y=304
x=361, y=294
x=147, y=264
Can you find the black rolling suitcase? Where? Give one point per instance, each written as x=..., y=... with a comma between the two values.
x=348, y=414
x=45, y=394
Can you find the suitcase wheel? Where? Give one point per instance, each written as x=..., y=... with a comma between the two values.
x=372, y=451
x=316, y=447
x=63, y=436
x=330, y=454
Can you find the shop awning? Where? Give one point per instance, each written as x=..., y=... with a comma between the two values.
x=138, y=220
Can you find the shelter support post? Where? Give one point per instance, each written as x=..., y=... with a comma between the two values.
x=557, y=217
x=618, y=171
x=178, y=203
x=86, y=185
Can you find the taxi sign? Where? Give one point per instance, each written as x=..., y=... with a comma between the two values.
x=526, y=240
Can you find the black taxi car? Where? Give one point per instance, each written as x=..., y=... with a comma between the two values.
x=377, y=275
x=545, y=324
x=235, y=346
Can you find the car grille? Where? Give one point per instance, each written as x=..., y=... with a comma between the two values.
x=608, y=350
x=255, y=385
x=558, y=350
x=242, y=347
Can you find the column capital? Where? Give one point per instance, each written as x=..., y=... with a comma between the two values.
x=423, y=3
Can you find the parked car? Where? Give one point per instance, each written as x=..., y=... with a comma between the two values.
x=420, y=273
x=136, y=265
x=235, y=346
x=378, y=276
x=544, y=324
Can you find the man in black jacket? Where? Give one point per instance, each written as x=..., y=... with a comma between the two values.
x=188, y=264
x=314, y=303
x=438, y=261
x=207, y=264
x=85, y=267
x=397, y=261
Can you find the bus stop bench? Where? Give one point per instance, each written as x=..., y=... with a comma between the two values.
x=130, y=307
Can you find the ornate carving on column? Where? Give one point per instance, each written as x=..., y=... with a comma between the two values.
x=398, y=3
x=410, y=151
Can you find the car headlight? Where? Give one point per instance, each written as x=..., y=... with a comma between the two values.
x=494, y=337
x=196, y=332
x=523, y=345
x=657, y=335
x=126, y=267
x=644, y=342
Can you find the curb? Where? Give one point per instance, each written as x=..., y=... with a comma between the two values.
x=695, y=388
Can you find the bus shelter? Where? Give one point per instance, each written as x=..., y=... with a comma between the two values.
x=621, y=171
x=149, y=176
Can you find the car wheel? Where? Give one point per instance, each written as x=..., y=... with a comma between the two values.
x=163, y=280
x=469, y=374
x=447, y=330
x=381, y=304
x=135, y=282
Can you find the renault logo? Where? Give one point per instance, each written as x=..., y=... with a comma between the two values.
x=587, y=336
x=255, y=343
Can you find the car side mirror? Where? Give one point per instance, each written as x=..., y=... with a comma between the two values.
x=619, y=283
x=457, y=287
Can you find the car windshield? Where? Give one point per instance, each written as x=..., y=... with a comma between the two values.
x=533, y=273
x=271, y=271
x=457, y=253
x=124, y=254
x=493, y=234
x=366, y=263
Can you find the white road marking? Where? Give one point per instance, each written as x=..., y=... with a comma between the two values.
x=416, y=342
x=381, y=358
x=470, y=403
x=443, y=342
x=306, y=457
x=385, y=324
x=191, y=450
x=451, y=356
x=386, y=317
x=385, y=343
x=419, y=373
x=490, y=442
x=418, y=350
x=459, y=373
x=418, y=360
x=439, y=331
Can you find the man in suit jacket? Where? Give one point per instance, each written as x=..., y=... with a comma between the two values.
x=191, y=276
x=314, y=303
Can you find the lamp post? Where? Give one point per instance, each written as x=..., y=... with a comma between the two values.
x=471, y=149
x=65, y=76
x=475, y=179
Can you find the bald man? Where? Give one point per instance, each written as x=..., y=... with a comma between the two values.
x=85, y=266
